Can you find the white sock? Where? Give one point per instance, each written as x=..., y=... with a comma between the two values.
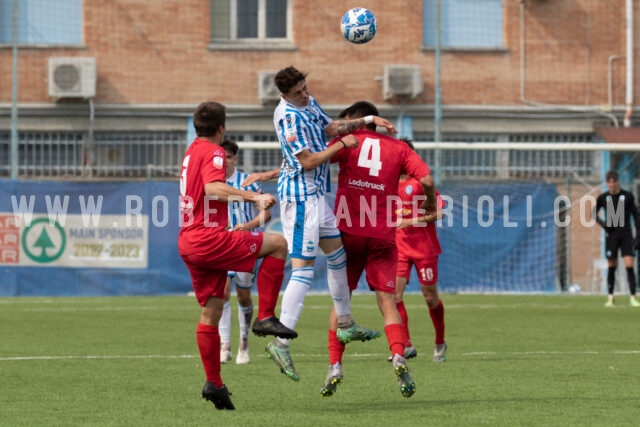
x=293, y=297
x=245, y=314
x=338, y=285
x=224, y=326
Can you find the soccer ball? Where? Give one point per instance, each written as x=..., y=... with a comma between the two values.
x=359, y=25
x=574, y=289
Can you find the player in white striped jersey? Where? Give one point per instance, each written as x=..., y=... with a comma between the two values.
x=242, y=216
x=308, y=221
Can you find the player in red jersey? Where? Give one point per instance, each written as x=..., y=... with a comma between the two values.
x=210, y=251
x=365, y=209
x=418, y=245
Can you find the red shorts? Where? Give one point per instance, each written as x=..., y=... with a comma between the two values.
x=427, y=269
x=228, y=251
x=378, y=257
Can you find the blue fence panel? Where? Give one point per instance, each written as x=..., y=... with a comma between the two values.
x=114, y=258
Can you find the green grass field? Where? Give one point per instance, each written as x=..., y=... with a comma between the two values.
x=561, y=360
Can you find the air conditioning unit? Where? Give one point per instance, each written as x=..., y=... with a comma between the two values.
x=267, y=90
x=401, y=80
x=72, y=77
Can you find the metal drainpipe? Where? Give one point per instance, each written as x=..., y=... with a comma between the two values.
x=629, y=94
x=522, y=56
x=523, y=64
x=610, y=79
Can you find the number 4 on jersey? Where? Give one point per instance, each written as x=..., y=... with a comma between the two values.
x=369, y=156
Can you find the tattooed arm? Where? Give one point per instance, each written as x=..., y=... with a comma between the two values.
x=344, y=127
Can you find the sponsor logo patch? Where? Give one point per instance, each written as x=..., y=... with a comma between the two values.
x=218, y=162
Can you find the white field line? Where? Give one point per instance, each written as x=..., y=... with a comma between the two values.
x=307, y=307
x=356, y=355
x=107, y=308
x=150, y=356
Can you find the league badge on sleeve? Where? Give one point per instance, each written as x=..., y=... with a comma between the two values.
x=218, y=159
x=290, y=131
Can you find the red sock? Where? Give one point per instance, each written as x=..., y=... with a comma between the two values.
x=405, y=321
x=396, y=338
x=208, y=340
x=269, y=282
x=437, y=318
x=336, y=348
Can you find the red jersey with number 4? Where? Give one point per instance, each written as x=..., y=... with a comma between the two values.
x=421, y=240
x=367, y=196
x=201, y=217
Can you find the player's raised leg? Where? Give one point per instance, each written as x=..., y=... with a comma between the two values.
x=269, y=282
x=292, y=304
x=348, y=330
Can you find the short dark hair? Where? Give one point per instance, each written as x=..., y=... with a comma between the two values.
x=611, y=175
x=287, y=78
x=360, y=109
x=230, y=145
x=208, y=117
x=408, y=142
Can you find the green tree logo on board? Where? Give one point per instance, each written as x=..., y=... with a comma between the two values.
x=38, y=241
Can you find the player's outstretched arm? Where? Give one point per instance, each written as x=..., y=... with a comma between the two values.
x=382, y=122
x=223, y=192
x=426, y=218
x=310, y=161
x=345, y=127
x=260, y=176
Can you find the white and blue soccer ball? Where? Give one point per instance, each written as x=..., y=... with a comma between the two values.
x=359, y=25
x=575, y=289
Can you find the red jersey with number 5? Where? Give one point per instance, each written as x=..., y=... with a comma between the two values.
x=420, y=240
x=367, y=197
x=201, y=216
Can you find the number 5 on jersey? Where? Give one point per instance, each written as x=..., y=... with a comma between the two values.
x=183, y=176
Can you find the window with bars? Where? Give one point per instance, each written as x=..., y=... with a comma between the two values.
x=43, y=22
x=464, y=24
x=250, y=23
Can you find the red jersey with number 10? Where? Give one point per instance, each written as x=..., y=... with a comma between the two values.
x=203, y=162
x=420, y=240
x=367, y=196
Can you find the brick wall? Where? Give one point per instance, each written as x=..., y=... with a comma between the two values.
x=158, y=54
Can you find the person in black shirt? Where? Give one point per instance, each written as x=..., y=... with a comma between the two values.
x=619, y=207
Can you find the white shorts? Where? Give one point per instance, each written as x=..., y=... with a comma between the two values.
x=305, y=223
x=242, y=280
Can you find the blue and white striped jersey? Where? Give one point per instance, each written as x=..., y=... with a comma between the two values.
x=301, y=128
x=241, y=212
